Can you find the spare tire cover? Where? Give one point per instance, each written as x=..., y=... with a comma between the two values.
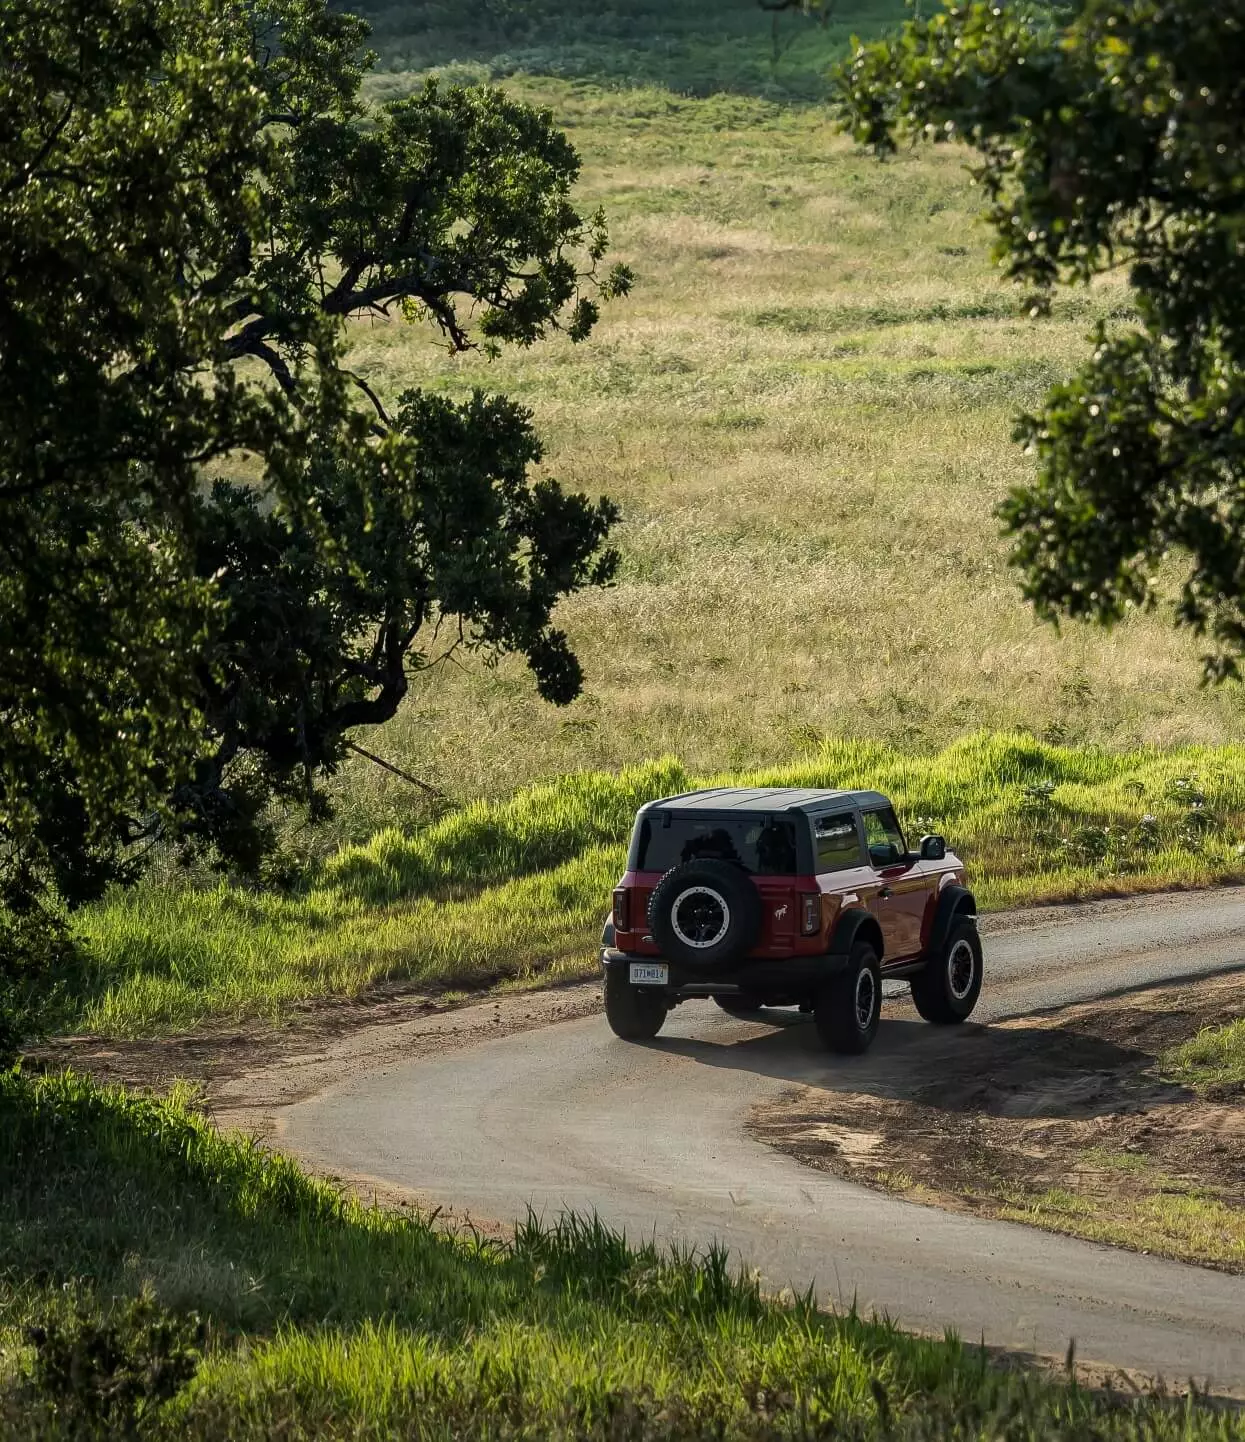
x=705, y=914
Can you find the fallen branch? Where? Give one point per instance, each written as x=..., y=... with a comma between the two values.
x=397, y=770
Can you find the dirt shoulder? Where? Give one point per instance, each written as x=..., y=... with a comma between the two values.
x=1063, y=1120
x=249, y=1075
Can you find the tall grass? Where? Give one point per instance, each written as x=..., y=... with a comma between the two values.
x=326, y=1318
x=804, y=411
x=517, y=890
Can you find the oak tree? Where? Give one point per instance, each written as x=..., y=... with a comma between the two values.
x=220, y=547
x=1109, y=135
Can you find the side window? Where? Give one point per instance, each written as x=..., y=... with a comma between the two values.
x=838, y=842
x=884, y=838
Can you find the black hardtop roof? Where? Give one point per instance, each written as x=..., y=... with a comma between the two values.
x=766, y=799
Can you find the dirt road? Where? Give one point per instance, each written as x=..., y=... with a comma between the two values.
x=653, y=1138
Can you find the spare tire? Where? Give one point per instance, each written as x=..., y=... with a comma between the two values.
x=705, y=914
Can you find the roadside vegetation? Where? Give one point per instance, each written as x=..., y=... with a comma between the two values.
x=1117, y=1120
x=516, y=891
x=271, y=1305
x=1213, y=1061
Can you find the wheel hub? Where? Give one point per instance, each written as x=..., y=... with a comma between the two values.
x=700, y=917
x=961, y=968
x=866, y=997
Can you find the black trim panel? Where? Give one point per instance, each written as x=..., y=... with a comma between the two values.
x=953, y=901
x=792, y=974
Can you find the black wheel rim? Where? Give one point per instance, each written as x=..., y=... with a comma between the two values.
x=700, y=917
x=961, y=970
x=866, y=999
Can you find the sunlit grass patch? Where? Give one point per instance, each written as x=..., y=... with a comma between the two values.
x=1169, y=1220
x=328, y=1318
x=1213, y=1059
x=517, y=890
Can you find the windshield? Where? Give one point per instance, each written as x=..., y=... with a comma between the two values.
x=762, y=845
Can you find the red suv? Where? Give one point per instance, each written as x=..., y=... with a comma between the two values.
x=771, y=897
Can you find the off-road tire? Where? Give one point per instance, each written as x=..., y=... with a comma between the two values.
x=745, y=1006
x=946, y=991
x=849, y=1008
x=634, y=1013
x=697, y=896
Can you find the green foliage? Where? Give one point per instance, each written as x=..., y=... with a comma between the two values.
x=684, y=46
x=193, y=204
x=34, y=944
x=1109, y=134
x=1213, y=1061
x=109, y=1375
x=326, y=1318
x=517, y=890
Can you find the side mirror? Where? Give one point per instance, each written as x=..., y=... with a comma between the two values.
x=933, y=848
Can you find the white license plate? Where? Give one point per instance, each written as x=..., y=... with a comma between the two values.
x=644, y=973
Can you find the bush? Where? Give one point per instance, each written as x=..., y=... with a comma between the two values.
x=109, y=1376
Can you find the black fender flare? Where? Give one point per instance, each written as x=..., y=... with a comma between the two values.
x=856, y=924
x=953, y=901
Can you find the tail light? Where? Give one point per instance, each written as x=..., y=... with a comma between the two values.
x=622, y=909
x=810, y=913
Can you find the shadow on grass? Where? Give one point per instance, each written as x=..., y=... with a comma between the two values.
x=684, y=45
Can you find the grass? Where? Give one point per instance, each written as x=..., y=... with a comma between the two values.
x=326, y=1318
x=1169, y=1217
x=805, y=412
x=1212, y=1061
x=516, y=890
x=676, y=44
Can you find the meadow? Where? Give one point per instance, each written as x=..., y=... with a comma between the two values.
x=805, y=412
x=515, y=891
x=276, y=1307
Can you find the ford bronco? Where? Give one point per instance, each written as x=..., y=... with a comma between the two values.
x=762, y=897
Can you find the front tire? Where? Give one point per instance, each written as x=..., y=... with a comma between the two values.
x=849, y=1008
x=633, y=1012
x=946, y=992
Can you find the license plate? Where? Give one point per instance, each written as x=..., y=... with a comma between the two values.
x=644, y=973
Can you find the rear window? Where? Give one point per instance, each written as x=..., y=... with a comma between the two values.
x=762, y=845
x=838, y=842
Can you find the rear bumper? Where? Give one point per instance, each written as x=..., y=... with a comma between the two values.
x=796, y=977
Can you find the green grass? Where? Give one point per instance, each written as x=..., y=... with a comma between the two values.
x=805, y=412
x=1213, y=1060
x=684, y=45
x=516, y=890
x=1175, y=1219
x=325, y=1318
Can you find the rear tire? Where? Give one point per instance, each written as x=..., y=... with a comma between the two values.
x=946, y=992
x=633, y=1012
x=849, y=1008
x=745, y=1007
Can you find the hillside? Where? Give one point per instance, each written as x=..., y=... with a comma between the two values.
x=805, y=411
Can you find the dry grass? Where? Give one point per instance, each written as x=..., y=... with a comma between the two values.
x=805, y=412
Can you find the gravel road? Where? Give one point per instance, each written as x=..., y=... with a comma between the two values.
x=652, y=1137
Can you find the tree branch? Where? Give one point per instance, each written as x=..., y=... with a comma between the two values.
x=397, y=770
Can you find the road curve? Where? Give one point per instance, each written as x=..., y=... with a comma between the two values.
x=652, y=1138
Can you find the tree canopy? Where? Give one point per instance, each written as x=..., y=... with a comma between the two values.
x=222, y=549
x=1109, y=134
